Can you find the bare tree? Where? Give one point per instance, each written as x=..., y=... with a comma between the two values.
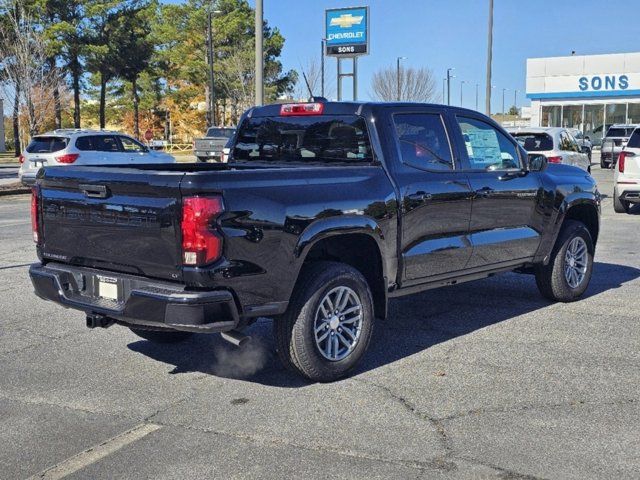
x=416, y=84
x=25, y=65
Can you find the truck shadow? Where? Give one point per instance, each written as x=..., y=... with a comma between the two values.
x=415, y=323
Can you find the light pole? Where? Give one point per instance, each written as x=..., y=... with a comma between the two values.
x=398, y=77
x=259, y=54
x=489, y=57
x=462, y=82
x=515, y=99
x=444, y=89
x=477, y=85
x=322, y=67
x=212, y=98
x=503, y=90
x=449, y=77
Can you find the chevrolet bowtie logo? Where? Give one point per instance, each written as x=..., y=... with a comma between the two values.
x=346, y=21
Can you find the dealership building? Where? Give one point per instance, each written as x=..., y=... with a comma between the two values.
x=589, y=92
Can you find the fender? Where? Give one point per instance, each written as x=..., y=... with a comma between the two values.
x=574, y=199
x=338, y=225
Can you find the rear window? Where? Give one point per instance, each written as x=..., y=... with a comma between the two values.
x=534, y=142
x=634, y=140
x=619, y=132
x=220, y=132
x=325, y=138
x=47, y=144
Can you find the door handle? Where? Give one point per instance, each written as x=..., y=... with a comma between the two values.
x=419, y=196
x=485, y=192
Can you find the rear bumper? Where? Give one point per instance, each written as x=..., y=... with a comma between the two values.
x=629, y=192
x=207, y=154
x=28, y=180
x=140, y=301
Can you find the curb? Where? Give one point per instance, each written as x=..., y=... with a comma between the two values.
x=15, y=191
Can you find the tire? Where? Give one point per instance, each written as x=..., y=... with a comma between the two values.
x=298, y=344
x=551, y=279
x=202, y=159
x=620, y=206
x=161, y=336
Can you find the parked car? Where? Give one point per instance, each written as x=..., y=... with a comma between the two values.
x=626, y=178
x=321, y=215
x=66, y=147
x=614, y=141
x=210, y=147
x=555, y=143
x=583, y=141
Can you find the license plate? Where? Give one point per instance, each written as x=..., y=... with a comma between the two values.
x=38, y=163
x=108, y=288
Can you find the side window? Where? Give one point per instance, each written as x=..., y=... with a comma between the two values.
x=423, y=141
x=85, y=143
x=487, y=148
x=105, y=143
x=130, y=145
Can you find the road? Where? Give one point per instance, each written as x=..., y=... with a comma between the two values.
x=479, y=380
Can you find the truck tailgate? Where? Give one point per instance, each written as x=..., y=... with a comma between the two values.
x=128, y=221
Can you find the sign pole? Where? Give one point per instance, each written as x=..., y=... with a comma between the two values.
x=355, y=78
x=338, y=59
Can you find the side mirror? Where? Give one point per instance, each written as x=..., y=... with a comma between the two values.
x=537, y=163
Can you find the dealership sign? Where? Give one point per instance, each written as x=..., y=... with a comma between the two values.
x=347, y=31
x=585, y=86
x=604, y=82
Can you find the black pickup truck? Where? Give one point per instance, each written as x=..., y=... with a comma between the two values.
x=324, y=212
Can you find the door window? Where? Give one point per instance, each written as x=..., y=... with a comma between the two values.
x=567, y=143
x=423, y=141
x=105, y=143
x=130, y=145
x=487, y=148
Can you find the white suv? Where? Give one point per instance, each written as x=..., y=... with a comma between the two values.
x=626, y=178
x=555, y=143
x=84, y=147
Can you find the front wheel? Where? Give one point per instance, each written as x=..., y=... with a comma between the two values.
x=568, y=273
x=328, y=325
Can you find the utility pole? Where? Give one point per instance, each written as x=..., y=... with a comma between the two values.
x=259, y=54
x=448, y=86
x=322, y=67
x=462, y=82
x=515, y=99
x=489, y=59
x=444, y=89
x=477, y=97
x=212, y=98
x=398, y=96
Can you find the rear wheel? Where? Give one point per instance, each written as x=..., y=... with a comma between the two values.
x=620, y=206
x=328, y=325
x=568, y=273
x=161, y=336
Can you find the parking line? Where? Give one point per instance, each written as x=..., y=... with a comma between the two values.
x=13, y=224
x=98, y=452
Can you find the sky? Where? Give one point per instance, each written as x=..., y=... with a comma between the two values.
x=438, y=34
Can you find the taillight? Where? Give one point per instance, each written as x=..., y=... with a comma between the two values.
x=21, y=158
x=554, y=159
x=621, y=158
x=68, y=158
x=34, y=214
x=201, y=244
x=295, y=109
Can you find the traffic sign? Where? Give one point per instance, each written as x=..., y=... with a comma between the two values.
x=148, y=135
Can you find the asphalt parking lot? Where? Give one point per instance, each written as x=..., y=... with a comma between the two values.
x=479, y=380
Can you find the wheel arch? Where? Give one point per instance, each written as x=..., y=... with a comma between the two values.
x=355, y=241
